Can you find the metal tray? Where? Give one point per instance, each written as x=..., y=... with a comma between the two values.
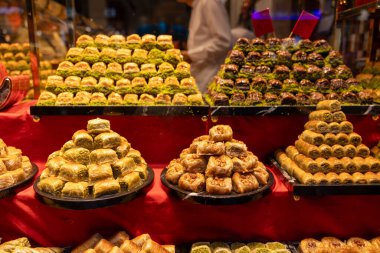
x=299, y=189
x=287, y=110
x=158, y=110
x=91, y=203
x=19, y=186
x=209, y=199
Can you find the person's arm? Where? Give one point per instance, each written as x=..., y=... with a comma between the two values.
x=220, y=32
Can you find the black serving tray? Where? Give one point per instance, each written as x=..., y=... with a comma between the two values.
x=209, y=199
x=158, y=110
x=19, y=186
x=299, y=189
x=91, y=203
x=287, y=110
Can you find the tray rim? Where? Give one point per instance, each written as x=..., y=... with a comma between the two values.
x=6, y=192
x=215, y=199
x=80, y=204
x=299, y=189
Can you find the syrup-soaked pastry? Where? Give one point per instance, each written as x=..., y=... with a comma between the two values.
x=307, y=149
x=219, y=166
x=288, y=98
x=220, y=133
x=151, y=246
x=220, y=99
x=219, y=185
x=118, y=238
x=313, y=73
x=175, y=171
x=299, y=73
x=330, y=105
x=194, y=145
x=322, y=84
x=307, y=164
x=292, y=152
x=194, y=163
x=123, y=166
x=349, y=97
x=141, y=239
x=323, y=115
x=77, y=155
x=128, y=247
x=268, y=58
x=317, y=126
x=194, y=182
x=348, y=165
x=105, y=187
x=359, y=244
x=376, y=242
x=104, y=155
x=366, y=96
x=243, y=183
x=336, y=165
x=332, y=243
x=64, y=98
x=242, y=84
x=184, y=152
x=242, y=44
x=354, y=139
x=359, y=178
x=235, y=148
x=284, y=57
x=325, y=150
x=271, y=98
x=338, y=84
x=312, y=137
x=246, y=71
x=76, y=190
x=362, y=151
x=339, y=116
x=309, y=245
x=299, y=56
x=245, y=162
x=97, y=126
x=258, y=44
x=99, y=172
x=98, y=98
x=333, y=96
x=236, y=57
x=210, y=148
x=323, y=165
x=371, y=178
x=330, y=139
x=337, y=151
x=130, y=180
x=281, y=72
x=346, y=127
x=334, y=127
x=316, y=59
x=253, y=97
x=349, y=150
x=306, y=45
x=51, y=185
x=361, y=164
x=259, y=83
x=261, y=174
x=346, y=178
x=274, y=85
x=273, y=44
x=316, y=97
x=320, y=178
x=374, y=163
x=237, y=99
x=253, y=58
x=73, y=172
x=333, y=178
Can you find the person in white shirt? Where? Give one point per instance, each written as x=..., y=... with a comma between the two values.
x=209, y=39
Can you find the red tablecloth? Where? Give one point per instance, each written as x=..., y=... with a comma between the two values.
x=277, y=216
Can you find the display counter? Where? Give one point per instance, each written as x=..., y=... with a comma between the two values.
x=277, y=216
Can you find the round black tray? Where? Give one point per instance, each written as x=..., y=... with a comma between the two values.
x=91, y=203
x=210, y=199
x=19, y=186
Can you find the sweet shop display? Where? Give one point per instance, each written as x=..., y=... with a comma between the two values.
x=122, y=71
x=15, y=168
x=95, y=163
x=122, y=242
x=217, y=164
x=285, y=72
x=22, y=245
x=252, y=247
x=328, y=151
x=332, y=244
x=16, y=59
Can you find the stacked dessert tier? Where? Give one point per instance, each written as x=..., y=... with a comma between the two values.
x=16, y=60
x=121, y=242
x=122, y=71
x=370, y=78
x=329, y=151
x=253, y=247
x=217, y=164
x=283, y=71
x=332, y=244
x=22, y=244
x=14, y=167
x=95, y=162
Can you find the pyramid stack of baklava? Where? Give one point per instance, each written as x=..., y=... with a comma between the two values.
x=217, y=164
x=329, y=151
x=252, y=247
x=96, y=162
x=122, y=71
x=283, y=71
x=14, y=167
x=121, y=242
x=22, y=245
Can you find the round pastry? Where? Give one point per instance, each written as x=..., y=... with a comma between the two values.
x=194, y=182
x=210, y=148
x=219, y=166
x=175, y=171
x=194, y=163
x=244, y=163
x=219, y=186
x=243, y=183
x=221, y=133
x=309, y=245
